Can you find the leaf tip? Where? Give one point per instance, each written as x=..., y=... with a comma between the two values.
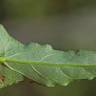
x=50, y=84
x=91, y=78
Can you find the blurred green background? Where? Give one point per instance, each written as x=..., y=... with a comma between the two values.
x=65, y=24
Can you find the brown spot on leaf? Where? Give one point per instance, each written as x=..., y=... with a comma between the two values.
x=2, y=77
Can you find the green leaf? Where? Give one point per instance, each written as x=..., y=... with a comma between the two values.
x=8, y=77
x=45, y=65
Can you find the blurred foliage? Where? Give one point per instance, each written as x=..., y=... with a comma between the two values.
x=23, y=8
x=2, y=9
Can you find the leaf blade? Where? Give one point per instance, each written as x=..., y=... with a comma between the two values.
x=45, y=65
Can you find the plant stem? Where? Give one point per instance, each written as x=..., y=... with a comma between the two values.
x=2, y=59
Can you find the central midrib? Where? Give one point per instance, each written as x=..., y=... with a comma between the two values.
x=5, y=59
